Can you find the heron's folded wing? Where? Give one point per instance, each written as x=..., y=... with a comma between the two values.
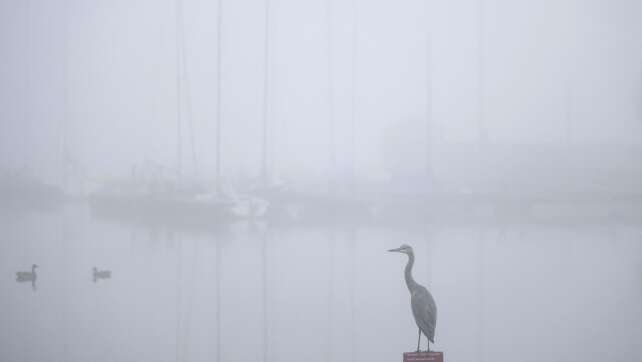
x=425, y=312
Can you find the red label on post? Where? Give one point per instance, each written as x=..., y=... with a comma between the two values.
x=423, y=357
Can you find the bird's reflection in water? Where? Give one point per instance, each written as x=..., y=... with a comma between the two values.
x=26, y=276
x=100, y=274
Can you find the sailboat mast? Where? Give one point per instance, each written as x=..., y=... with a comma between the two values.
x=429, y=121
x=179, y=156
x=27, y=71
x=189, y=109
x=483, y=136
x=353, y=100
x=219, y=19
x=64, y=121
x=570, y=62
x=330, y=95
x=264, y=141
x=569, y=110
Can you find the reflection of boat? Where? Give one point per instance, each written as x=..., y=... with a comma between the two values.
x=21, y=191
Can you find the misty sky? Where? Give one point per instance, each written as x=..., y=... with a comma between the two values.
x=104, y=74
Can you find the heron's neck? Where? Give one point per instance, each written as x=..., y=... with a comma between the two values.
x=410, y=282
x=33, y=269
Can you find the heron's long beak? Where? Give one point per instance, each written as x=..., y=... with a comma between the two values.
x=397, y=249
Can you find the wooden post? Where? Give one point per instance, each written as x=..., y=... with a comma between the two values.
x=423, y=357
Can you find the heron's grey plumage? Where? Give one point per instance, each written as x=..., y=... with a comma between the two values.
x=422, y=303
x=424, y=310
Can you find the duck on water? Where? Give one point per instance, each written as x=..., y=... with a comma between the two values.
x=26, y=276
x=100, y=274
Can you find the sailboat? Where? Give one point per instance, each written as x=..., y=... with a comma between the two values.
x=152, y=194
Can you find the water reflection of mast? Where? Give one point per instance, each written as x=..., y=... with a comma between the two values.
x=218, y=299
x=352, y=270
x=480, y=294
x=190, y=301
x=179, y=274
x=329, y=349
x=66, y=252
x=264, y=276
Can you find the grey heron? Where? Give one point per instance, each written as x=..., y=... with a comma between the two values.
x=422, y=303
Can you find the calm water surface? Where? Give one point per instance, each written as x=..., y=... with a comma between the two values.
x=251, y=292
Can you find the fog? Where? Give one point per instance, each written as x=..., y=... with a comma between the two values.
x=221, y=180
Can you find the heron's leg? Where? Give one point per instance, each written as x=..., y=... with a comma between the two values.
x=419, y=340
x=428, y=346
